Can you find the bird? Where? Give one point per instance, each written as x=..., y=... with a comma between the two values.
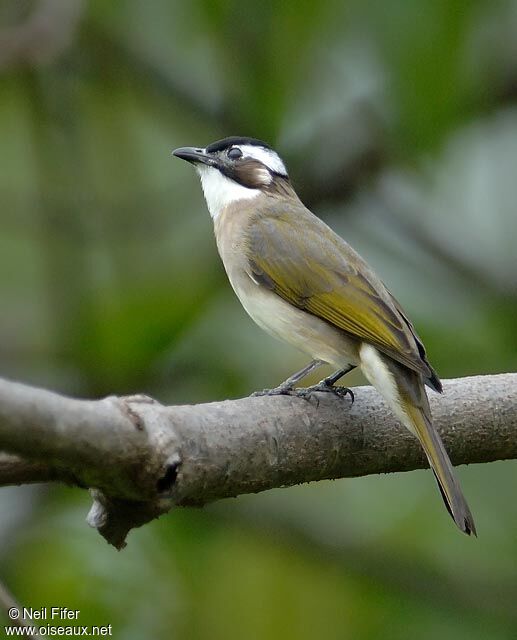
x=304, y=284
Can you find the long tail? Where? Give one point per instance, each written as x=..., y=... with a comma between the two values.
x=439, y=460
x=404, y=391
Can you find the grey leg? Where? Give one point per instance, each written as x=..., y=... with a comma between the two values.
x=287, y=385
x=327, y=385
x=332, y=379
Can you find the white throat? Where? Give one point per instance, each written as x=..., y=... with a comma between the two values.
x=220, y=191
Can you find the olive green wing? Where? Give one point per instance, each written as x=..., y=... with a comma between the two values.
x=296, y=255
x=433, y=380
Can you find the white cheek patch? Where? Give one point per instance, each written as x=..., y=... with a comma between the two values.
x=267, y=157
x=220, y=191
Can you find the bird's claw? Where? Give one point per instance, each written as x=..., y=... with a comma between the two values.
x=324, y=387
x=276, y=391
x=306, y=393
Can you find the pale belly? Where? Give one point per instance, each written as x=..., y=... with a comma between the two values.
x=302, y=330
x=310, y=334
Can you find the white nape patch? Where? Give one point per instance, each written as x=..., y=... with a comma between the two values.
x=382, y=379
x=220, y=191
x=268, y=157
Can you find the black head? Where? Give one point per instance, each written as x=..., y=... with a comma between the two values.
x=226, y=143
x=250, y=162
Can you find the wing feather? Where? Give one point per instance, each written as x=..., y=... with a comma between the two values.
x=293, y=253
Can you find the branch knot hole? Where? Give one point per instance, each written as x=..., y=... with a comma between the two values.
x=167, y=481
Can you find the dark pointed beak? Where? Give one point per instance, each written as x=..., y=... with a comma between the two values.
x=194, y=155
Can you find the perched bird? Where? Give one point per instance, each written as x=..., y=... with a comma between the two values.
x=304, y=284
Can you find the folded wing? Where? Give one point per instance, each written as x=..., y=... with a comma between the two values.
x=313, y=268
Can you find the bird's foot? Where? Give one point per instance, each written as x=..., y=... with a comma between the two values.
x=306, y=393
x=325, y=387
x=281, y=390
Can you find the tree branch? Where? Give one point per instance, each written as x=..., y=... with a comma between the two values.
x=140, y=458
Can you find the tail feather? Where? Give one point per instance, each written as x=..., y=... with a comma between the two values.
x=443, y=471
x=404, y=391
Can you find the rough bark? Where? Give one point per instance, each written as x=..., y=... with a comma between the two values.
x=140, y=458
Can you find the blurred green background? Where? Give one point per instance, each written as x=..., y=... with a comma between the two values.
x=398, y=121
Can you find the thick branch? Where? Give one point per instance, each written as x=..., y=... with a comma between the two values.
x=140, y=458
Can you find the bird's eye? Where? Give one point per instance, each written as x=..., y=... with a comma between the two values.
x=234, y=153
